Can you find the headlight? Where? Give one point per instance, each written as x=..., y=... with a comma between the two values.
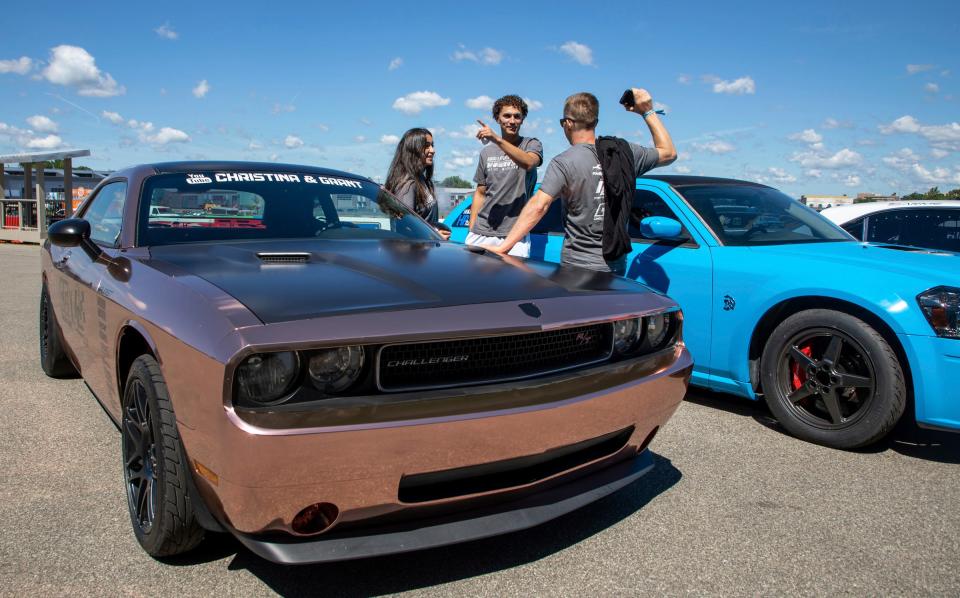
x=266, y=378
x=941, y=306
x=659, y=331
x=334, y=370
x=626, y=333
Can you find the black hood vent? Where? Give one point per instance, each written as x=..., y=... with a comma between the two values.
x=283, y=257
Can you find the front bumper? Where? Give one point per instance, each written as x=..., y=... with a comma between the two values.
x=935, y=365
x=262, y=469
x=465, y=526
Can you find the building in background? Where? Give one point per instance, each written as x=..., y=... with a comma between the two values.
x=449, y=198
x=822, y=202
x=83, y=183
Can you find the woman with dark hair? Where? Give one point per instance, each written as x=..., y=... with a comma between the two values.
x=411, y=175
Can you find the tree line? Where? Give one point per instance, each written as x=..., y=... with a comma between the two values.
x=933, y=193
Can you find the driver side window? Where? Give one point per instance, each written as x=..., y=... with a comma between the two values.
x=105, y=214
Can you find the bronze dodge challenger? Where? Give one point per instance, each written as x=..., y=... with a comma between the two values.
x=293, y=357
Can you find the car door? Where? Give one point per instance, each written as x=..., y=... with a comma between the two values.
x=104, y=212
x=681, y=269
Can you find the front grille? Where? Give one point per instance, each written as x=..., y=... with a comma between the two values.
x=440, y=364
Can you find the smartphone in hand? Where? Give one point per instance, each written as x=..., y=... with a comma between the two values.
x=627, y=99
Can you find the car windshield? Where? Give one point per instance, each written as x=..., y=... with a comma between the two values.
x=749, y=215
x=233, y=205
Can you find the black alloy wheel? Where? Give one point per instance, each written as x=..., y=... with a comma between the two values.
x=53, y=356
x=831, y=378
x=155, y=467
x=828, y=377
x=140, y=456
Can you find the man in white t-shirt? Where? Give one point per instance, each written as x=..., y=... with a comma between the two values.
x=506, y=175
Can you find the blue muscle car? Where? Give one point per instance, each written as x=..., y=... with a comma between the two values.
x=838, y=336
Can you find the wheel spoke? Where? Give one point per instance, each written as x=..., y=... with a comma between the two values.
x=802, y=358
x=799, y=394
x=132, y=461
x=143, y=497
x=854, y=381
x=133, y=432
x=832, y=354
x=832, y=400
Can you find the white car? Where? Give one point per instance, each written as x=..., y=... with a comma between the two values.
x=929, y=224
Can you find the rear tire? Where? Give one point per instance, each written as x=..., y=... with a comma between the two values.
x=53, y=355
x=155, y=469
x=832, y=379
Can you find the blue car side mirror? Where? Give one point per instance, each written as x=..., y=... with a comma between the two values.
x=660, y=227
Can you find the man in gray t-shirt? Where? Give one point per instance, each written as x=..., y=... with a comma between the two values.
x=576, y=176
x=505, y=177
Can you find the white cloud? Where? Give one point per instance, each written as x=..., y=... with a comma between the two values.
x=167, y=135
x=112, y=117
x=19, y=66
x=278, y=108
x=781, y=176
x=580, y=53
x=292, y=142
x=832, y=123
x=202, y=89
x=42, y=124
x=254, y=145
x=902, y=160
x=937, y=175
x=487, y=56
x=73, y=66
x=684, y=79
x=841, y=159
x=460, y=160
x=532, y=104
x=466, y=131
x=395, y=64
x=716, y=146
x=807, y=136
x=360, y=139
x=931, y=87
x=852, y=180
x=142, y=126
x=743, y=85
x=166, y=31
x=939, y=153
x=681, y=169
x=814, y=173
x=414, y=103
x=480, y=103
x=389, y=139
x=913, y=69
x=943, y=136
x=44, y=143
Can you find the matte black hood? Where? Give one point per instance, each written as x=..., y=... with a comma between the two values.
x=360, y=275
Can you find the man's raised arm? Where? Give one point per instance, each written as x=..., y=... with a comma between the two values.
x=643, y=103
x=523, y=159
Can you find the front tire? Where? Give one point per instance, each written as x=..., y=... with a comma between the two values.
x=832, y=379
x=155, y=469
x=53, y=355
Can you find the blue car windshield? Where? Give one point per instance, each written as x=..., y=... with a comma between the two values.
x=750, y=215
x=233, y=206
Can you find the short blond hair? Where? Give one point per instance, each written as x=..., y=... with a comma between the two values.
x=582, y=108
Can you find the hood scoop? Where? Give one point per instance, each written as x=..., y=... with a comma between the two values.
x=283, y=257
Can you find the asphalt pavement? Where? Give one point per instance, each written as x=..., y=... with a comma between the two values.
x=734, y=507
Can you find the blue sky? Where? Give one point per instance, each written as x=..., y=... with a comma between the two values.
x=814, y=98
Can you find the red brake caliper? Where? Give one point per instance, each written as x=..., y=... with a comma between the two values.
x=798, y=373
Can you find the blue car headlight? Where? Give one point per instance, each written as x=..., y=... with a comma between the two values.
x=941, y=306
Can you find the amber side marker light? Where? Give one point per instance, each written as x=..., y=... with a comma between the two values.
x=207, y=473
x=315, y=518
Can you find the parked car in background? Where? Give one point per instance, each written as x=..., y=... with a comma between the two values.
x=324, y=389
x=926, y=224
x=779, y=303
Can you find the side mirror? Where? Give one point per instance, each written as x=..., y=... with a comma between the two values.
x=660, y=227
x=69, y=233
x=73, y=232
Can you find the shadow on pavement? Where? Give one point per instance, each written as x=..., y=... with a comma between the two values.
x=411, y=571
x=907, y=438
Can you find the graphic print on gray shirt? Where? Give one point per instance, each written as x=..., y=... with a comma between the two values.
x=407, y=194
x=576, y=177
x=508, y=187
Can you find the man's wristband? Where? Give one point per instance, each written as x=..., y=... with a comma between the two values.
x=649, y=112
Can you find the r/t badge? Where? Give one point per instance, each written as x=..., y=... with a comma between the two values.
x=729, y=303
